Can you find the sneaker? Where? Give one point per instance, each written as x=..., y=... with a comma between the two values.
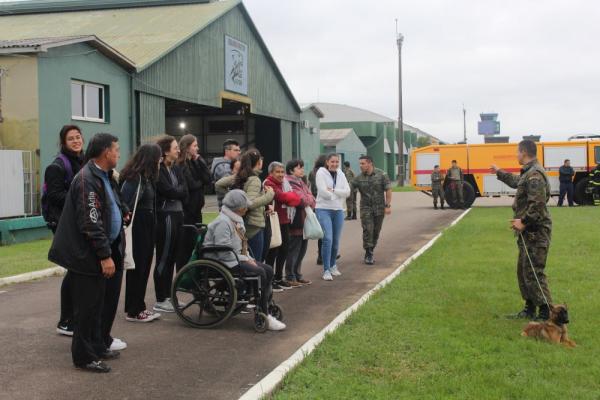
x=117, y=345
x=294, y=284
x=335, y=271
x=64, y=328
x=327, y=276
x=152, y=313
x=304, y=281
x=285, y=285
x=164, y=306
x=276, y=288
x=274, y=324
x=144, y=316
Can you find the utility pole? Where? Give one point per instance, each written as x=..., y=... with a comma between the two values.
x=401, y=169
x=464, y=124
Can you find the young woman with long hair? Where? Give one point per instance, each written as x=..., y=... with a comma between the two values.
x=171, y=195
x=197, y=176
x=57, y=181
x=332, y=190
x=141, y=173
x=248, y=180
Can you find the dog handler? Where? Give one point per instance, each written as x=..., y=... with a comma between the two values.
x=532, y=220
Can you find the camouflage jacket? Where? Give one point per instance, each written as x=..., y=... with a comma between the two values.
x=533, y=192
x=372, y=190
x=437, y=179
x=458, y=173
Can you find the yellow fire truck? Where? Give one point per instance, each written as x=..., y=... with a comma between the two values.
x=475, y=161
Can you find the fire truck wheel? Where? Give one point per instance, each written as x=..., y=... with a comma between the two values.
x=468, y=195
x=580, y=196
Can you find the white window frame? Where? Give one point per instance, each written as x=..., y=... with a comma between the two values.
x=85, y=118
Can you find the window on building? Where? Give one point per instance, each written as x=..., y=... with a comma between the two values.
x=88, y=101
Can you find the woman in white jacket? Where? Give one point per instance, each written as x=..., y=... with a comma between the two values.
x=332, y=190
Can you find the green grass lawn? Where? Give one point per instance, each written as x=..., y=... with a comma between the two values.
x=405, y=188
x=438, y=330
x=32, y=256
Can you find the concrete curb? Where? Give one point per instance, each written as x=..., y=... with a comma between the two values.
x=29, y=276
x=270, y=382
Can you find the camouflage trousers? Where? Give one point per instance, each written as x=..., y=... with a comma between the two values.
x=527, y=283
x=456, y=188
x=371, y=226
x=438, y=191
x=351, y=203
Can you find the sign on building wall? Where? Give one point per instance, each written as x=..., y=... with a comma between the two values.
x=236, y=66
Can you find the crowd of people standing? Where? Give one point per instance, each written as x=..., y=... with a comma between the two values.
x=161, y=188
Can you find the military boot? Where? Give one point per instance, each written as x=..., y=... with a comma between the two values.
x=442, y=206
x=544, y=313
x=354, y=215
x=348, y=216
x=369, y=256
x=435, y=206
x=526, y=313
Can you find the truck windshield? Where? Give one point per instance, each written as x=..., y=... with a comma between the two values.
x=597, y=154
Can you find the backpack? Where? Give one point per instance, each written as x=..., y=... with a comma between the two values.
x=68, y=178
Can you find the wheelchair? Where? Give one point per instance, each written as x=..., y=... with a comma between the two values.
x=206, y=293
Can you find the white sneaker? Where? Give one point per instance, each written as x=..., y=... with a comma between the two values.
x=327, y=276
x=117, y=344
x=164, y=306
x=274, y=324
x=335, y=271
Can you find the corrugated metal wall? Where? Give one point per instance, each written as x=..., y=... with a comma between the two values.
x=194, y=72
x=151, y=117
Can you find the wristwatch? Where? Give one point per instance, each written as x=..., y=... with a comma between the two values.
x=388, y=206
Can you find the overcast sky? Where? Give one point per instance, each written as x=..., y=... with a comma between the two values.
x=536, y=63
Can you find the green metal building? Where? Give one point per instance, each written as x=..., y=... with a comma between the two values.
x=140, y=69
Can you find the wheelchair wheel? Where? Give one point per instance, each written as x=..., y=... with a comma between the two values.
x=276, y=311
x=261, y=323
x=204, y=294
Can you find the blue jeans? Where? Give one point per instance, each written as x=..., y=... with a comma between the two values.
x=332, y=222
x=256, y=244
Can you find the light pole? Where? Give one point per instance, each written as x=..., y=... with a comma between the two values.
x=464, y=124
x=401, y=174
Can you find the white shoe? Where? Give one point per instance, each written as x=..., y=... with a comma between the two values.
x=117, y=344
x=335, y=271
x=164, y=306
x=274, y=324
x=327, y=276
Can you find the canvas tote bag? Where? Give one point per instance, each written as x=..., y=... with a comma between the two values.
x=128, y=262
x=275, y=230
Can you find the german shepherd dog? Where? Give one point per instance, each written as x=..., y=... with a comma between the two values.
x=554, y=330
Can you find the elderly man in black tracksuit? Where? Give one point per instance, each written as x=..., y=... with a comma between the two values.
x=89, y=242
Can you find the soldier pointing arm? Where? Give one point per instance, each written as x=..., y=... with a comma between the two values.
x=532, y=220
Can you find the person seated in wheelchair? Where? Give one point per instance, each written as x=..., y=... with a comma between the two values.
x=228, y=230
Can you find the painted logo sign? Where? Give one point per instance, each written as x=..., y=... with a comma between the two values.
x=236, y=66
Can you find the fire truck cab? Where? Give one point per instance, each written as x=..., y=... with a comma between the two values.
x=476, y=159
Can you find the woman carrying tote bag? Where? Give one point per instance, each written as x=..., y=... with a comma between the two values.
x=139, y=180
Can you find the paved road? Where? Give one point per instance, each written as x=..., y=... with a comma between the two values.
x=168, y=360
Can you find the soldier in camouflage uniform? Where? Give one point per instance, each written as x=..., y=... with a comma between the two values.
x=437, y=186
x=350, y=200
x=456, y=177
x=532, y=220
x=594, y=185
x=375, y=202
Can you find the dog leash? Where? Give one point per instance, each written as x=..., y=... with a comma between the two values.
x=533, y=269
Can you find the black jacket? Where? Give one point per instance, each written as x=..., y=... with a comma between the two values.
x=166, y=192
x=197, y=176
x=57, y=185
x=565, y=174
x=80, y=241
x=147, y=198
